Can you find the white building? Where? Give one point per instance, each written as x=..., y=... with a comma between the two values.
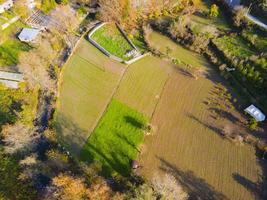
x=10, y=79
x=255, y=113
x=5, y=5
x=28, y=34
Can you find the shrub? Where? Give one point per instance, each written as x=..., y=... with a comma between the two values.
x=252, y=123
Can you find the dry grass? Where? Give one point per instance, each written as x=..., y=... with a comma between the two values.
x=142, y=84
x=85, y=91
x=188, y=143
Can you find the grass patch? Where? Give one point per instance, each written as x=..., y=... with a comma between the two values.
x=163, y=43
x=115, y=140
x=257, y=39
x=234, y=46
x=202, y=19
x=111, y=39
x=142, y=84
x=9, y=52
x=85, y=92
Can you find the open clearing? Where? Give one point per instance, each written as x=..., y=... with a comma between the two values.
x=161, y=43
x=116, y=139
x=188, y=143
x=142, y=85
x=88, y=83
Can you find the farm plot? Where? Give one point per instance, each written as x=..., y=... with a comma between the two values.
x=188, y=143
x=165, y=45
x=116, y=139
x=86, y=89
x=110, y=38
x=142, y=84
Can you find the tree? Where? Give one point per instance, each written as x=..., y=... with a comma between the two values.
x=252, y=123
x=69, y=188
x=240, y=13
x=214, y=10
x=169, y=188
x=21, y=8
x=18, y=137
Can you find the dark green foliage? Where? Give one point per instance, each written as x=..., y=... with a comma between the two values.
x=10, y=185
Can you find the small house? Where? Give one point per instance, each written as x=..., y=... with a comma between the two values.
x=28, y=34
x=254, y=112
x=5, y=5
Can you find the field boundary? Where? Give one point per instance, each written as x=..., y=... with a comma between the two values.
x=107, y=53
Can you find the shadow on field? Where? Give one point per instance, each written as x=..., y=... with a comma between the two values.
x=213, y=128
x=69, y=134
x=134, y=122
x=109, y=164
x=259, y=188
x=195, y=186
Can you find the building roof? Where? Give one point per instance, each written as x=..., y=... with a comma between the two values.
x=10, y=84
x=11, y=76
x=255, y=112
x=28, y=34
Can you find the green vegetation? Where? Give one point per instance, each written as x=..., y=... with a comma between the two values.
x=9, y=51
x=18, y=103
x=84, y=94
x=257, y=39
x=47, y=5
x=111, y=39
x=142, y=84
x=234, y=46
x=204, y=19
x=116, y=139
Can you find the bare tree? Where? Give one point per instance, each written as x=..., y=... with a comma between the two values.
x=18, y=137
x=169, y=188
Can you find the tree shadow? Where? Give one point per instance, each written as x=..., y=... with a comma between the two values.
x=70, y=134
x=197, y=187
x=259, y=188
x=109, y=166
x=134, y=122
x=126, y=140
x=219, y=131
x=248, y=184
x=225, y=114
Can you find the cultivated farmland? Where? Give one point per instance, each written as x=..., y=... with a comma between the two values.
x=116, y=139
x=188, y=142
x=87, y=87
x=142, y=85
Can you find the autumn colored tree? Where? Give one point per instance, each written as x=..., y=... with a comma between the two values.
x=214, y=10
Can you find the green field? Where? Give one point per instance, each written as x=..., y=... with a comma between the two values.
x=142, y=84
x=110, y=38
x=188, y=144
x=86, y=89
x=234, y=46
x=116, y=139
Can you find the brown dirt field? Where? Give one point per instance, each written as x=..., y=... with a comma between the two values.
x=188, y=143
